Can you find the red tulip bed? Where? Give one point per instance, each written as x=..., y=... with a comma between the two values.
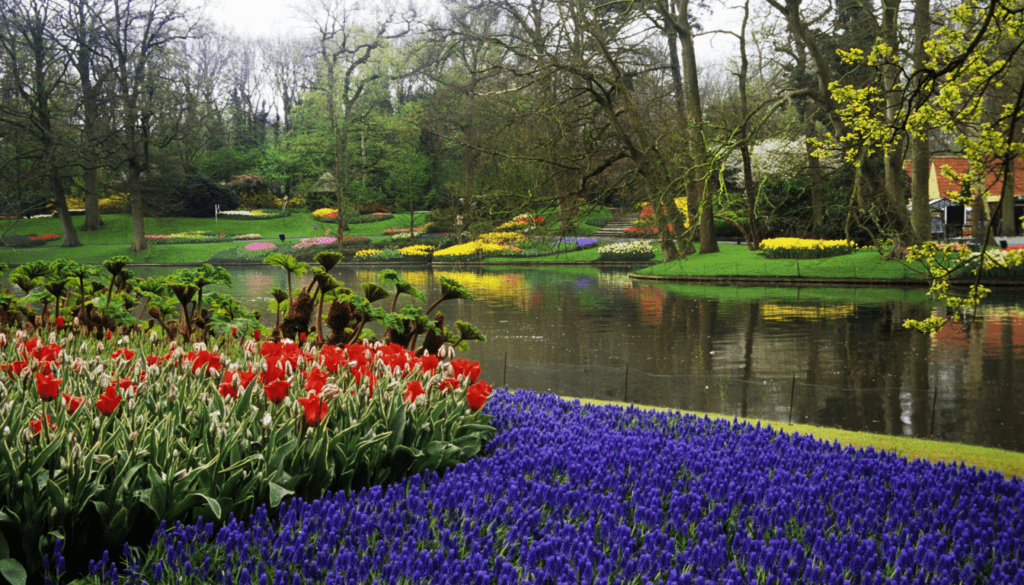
x=100, y=440
x=112, y=426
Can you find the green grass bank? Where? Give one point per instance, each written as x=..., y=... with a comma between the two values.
x=1009, y=463
x=736, y=262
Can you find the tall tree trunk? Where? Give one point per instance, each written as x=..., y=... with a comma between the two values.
x=895, y=185
x=60, y=202
x=683, y=243
x=90, y=195
x=135, y=199
x=920, y=220
x=813, y=166
x=754, y=231
x=86, y=39
x=698, y=149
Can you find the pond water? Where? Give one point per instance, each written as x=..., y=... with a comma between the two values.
x=825, y=356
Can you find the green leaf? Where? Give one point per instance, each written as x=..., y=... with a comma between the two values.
x=117, y=529
x=278, y=493
x=242, y=404
x=5, y=549
x=452, y=289
x=374, y=292
x=13, y=572
x=277, y=457
x=397, y=424
x=56, y=497
x=469, y=446
x=214, y=504
x=44, y=456
x=401, y=461
x=155, y=498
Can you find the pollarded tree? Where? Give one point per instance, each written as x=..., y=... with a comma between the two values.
x=82, y=28
x=139, y=33
x=37, y=76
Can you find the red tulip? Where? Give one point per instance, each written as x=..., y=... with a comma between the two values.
x=315, y=407
x=37, y=425
x=277, y=390
x=124, y=354
x=476, y=395
x=315, y=380
x=256, y=334
x=413, y=390
x=467, y=368
x=47, y=386
x=73, y=402
x=109, y=400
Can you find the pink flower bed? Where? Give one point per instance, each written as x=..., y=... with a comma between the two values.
x=260, y=246
x=319, y=241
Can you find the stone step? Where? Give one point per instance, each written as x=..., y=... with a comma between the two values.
x=619, y=221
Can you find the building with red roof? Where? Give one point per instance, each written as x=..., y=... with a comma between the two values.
x=941, y=186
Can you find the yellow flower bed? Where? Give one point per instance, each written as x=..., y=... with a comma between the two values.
x=474, y=248
x=417, y=250
x=501, y=238
x=803, y=248
x=368, y=253
x=326, y=213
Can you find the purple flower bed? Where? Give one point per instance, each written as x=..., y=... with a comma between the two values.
x=580, y=494
x=580, y=243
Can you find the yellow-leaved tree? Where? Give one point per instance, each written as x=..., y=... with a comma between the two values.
x=967, y=83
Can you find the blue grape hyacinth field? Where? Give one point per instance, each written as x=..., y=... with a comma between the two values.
x=571, y=493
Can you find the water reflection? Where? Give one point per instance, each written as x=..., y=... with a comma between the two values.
x=835, y=357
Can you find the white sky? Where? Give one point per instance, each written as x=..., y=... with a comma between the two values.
x=274, y=18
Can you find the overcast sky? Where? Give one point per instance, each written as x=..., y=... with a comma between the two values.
x=279, y=18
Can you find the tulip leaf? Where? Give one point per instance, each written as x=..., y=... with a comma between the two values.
x=44, y=456
x=57, y=498
x=469, y=446
x=242, y=404
x=277, y=493
x=396, y=424
x=275, y=460
x=117, y=529
x=155, y=498
x=13, y=571
x=190, y=501
x=402, y=459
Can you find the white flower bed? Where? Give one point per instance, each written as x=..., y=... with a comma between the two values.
x=633, y=250
x=634, y=247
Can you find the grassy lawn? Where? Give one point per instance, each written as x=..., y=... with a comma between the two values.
x=737, y=260
x=115, y=237
x=1009, y=463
